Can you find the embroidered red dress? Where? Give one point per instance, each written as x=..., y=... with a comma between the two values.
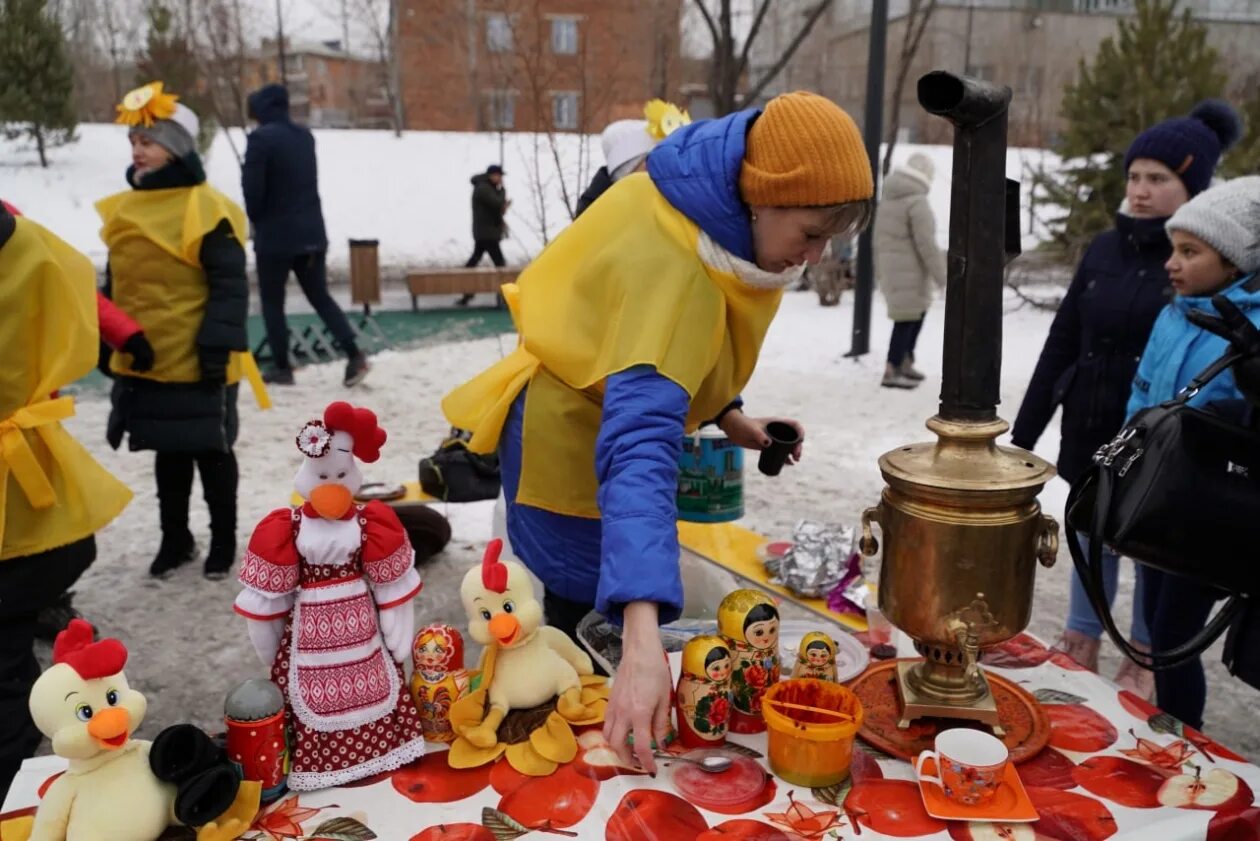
x=349, y=707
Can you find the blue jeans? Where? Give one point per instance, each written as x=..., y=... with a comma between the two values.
x=1178, y=608
x=1081, y=616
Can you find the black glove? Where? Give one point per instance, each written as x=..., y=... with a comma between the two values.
x=1242, y=336
x=141, y=352
x=214, y=363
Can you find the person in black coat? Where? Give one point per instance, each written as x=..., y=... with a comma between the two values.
x=279, y=180
x=489, y=205
x=1100, y=331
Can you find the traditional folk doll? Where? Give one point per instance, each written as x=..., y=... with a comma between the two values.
x=438, y=680
x=704, y=692
x=749, y=622
x=816, y=657
x=328, y=592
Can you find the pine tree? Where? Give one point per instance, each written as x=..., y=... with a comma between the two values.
x=169, y=58
x=1244, y=159
x=36, y=80
x=1158, y=65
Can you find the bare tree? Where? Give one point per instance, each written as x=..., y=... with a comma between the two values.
x=730, y=60
x=378, y=22
x=916, y=22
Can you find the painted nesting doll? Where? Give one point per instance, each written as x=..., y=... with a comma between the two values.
x=816, y=657
x=703, y=699
x=749, y=623
x=439, y=679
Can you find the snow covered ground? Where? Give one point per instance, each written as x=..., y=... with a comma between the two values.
x=188, y=648
x=412, y=193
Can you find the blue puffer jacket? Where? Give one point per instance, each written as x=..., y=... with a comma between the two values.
x=631, y=553
x=1178, y=351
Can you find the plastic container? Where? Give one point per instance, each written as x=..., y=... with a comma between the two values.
x=812, y=724
x=730, y=792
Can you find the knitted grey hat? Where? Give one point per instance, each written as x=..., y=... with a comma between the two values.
x=1226, y=217
x=178, y=135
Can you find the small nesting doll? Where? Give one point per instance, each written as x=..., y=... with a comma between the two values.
x=749, y=623
x=704, y=692
x=816, y=657
x=439, y=679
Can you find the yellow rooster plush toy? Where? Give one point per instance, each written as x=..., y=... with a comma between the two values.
x=118, y=788
x=526, y=667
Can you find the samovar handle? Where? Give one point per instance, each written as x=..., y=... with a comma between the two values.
x=1048, y=541
x=868, y=545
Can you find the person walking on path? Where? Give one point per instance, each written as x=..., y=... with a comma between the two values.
x=908, y=262
x=1103, y=323
x=279, y=181
x=489, y=205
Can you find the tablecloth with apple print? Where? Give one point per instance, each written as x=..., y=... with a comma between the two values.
x=1116, y=768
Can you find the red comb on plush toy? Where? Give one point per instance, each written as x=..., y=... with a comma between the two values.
x=91, y=660
x=494, y=575
x=360, y=424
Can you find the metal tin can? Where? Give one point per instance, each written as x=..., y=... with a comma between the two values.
x=256, y=738
x=710, y=478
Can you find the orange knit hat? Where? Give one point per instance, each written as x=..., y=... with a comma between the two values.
x=804, y=151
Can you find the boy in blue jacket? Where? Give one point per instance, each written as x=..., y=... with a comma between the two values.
x=1216, y=251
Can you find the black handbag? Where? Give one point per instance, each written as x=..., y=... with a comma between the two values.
x=1177, y=489
x=456, y=474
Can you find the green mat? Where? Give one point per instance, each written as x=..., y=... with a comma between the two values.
x=403, y=330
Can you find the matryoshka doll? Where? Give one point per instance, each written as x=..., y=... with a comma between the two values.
x=704, y=692
x=439, y=679
x=816, y=657
x=749, y=622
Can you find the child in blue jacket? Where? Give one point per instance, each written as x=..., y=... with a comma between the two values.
x=1216, y=250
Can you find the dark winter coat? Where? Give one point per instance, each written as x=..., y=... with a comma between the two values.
x=601, y=182
x=190, y=417
x=1096, y=340
x=279, y=180
x=488, y=205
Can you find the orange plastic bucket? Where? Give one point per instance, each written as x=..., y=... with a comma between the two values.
x=811, y=726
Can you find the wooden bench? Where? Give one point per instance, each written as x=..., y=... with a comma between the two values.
x=458, y=281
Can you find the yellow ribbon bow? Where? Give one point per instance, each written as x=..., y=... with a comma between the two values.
x=16, y=455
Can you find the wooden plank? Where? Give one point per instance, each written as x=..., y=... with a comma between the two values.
x=734, y=548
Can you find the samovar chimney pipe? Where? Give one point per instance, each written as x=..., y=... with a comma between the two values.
x=983, y=238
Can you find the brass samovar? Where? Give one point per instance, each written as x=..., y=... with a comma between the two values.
x=961, y=524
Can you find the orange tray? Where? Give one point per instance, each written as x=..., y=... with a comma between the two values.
x=1026, y=723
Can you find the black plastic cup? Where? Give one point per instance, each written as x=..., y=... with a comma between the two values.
x=783, y=440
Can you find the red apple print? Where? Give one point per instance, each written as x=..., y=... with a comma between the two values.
x=1139, y=708
x=47, y=784
x=1048, y=769
x=864, y=766
x=1216, y=790
x=1078, y=728
x=1209, y=746
x=803, y=822
x=1147, y=712
x=1022, y=651
x=597, y=759
x=560, y=799
x=455, y=832
x=1121, y=781
x=1065, y=816
x=1235, y=826
x=431, y=780
x=743, y=829
x=650, y=815
x=893, y=807
x=1170, y=757
x=505, y=779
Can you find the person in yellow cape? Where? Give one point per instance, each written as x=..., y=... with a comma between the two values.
x=53, y=494
x=177, y=266
x=640, y=322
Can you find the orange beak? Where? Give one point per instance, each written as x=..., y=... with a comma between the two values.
x=109, y=727
x=506, y=628
x=332, y=501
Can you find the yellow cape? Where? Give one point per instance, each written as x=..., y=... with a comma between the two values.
x=623, y=286
x=52, y=492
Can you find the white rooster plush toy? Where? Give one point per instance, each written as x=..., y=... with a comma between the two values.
x=328, y=597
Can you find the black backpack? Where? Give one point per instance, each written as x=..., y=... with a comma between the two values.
x=456, y=474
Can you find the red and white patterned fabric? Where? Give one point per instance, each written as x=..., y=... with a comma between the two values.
x=348, y=704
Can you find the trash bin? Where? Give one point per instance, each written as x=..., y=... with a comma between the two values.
x=365, y=272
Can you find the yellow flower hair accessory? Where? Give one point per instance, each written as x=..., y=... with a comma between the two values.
x=664, y=118
x=146, y=105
